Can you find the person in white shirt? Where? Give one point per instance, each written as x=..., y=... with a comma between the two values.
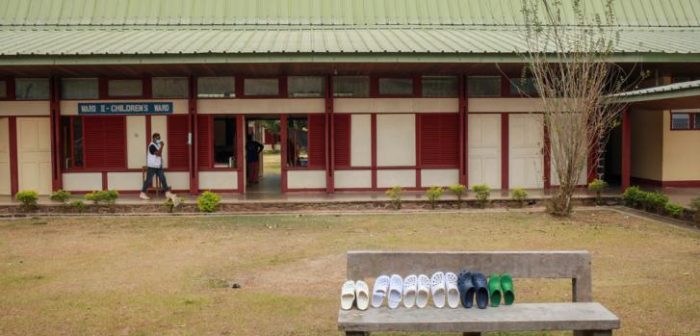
x=155, y=167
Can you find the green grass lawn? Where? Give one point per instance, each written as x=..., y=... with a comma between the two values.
x=171, y=275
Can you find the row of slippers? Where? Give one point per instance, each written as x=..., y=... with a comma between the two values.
x=445, y=288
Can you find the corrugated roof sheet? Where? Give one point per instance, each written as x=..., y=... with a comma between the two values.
x=675, y=87
x=317, y=41
x=636, y=13
x=57, y=29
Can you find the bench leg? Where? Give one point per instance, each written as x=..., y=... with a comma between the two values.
x=593, y=333
x=356, y=333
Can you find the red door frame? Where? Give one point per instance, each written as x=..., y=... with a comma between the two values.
x=330, y=137
x=55, y=123
x=547, y=147
x=240, y=149
x=193, y=137
x=14, y=172
x=283, y=159
x=505, y=148
x=463, y=132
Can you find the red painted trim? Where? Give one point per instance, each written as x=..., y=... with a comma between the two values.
x=418, y=148
x=547, y=148
x=240, y=152
x=505, y=148
x=463, y=131
x=416, y=83
x=681, y=184
x=55, y=114
x=105, y=182
x=192, y=126
x=145, y=87
x=114, y=170
x=149, y=134
x=374, y=149
x=626, y=149
x=14, y=171
x=306, y=190
x=330, y=136
x=283, y=161
x=281, y=87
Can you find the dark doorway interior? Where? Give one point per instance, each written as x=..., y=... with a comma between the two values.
x=264, y=131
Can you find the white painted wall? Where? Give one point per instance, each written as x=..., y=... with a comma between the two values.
x=136, y=141
x=501, y=105
x=256, y=106
x=178, y=180
x=484, y=152
x=306, y=179
x=360, y=140
x=213, y=180
x=395, y=105
x=34, y=154
x=396, y=140
x=439, y=177
x=82, y=181
x=25, y=108
x=396, y=177
x=159, y=124
x=353, y=179
x=5, y=176
x=70, y=107
x=124, y=181
x=526, y=137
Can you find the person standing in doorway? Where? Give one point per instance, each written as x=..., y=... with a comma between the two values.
x=155, y=167
x=252, y=151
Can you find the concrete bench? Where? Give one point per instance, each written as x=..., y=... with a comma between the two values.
x=582, y=315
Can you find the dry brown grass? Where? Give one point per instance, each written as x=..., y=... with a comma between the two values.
x=169, y=276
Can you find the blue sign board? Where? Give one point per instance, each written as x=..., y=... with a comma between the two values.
x=125, y=108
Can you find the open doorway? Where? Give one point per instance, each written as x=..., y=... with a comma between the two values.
x=263, y=155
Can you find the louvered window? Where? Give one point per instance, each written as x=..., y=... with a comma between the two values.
x=178, y=150
x=341, y=140
x=105, y=142
x=439, y=139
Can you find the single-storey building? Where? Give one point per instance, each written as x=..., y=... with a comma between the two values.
x=368, y=94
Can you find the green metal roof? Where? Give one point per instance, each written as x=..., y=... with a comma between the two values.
x=670, y=91
x=259, y=31
x=636, y=13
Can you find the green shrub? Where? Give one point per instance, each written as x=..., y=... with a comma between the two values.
x=395, y=196
x=208, y=202
x=598, y=186
x=633, y=197
x=482, y=192
x=674, y=210
x=102, y=197
x=519, y=195
x=434, y=194
x=459, y=191
x=28, y=198
x=60, y=196
x=695, y=206
x=654, y=201
x=77, y=206
x=173, y=203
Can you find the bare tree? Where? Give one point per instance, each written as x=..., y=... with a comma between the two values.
x=568, y=57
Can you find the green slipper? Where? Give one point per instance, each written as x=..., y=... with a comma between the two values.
x=507, y=287
x=495, y=292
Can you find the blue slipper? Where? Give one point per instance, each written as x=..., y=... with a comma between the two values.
x=466, y=288
x=481, y=290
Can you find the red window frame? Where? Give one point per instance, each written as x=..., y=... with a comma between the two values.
x=692, y=118
x=9, y=89
x=415, y=81
x=281, y=87
x=178, y=149
x=205, y=145
x=315, y=142
x=342, y=140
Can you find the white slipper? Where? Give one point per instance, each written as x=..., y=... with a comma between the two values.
x=423, y=291
x=437, y=289
x=452, y=290
x=347, y=295
x=395, y=291
x=362, y=294
x=410, y=286
x=381, y=287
